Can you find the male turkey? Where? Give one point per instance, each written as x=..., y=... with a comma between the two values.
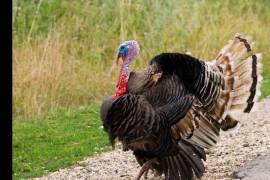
x=174, y=109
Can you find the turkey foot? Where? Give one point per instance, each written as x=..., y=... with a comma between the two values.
x=228, y=123
x=145, y=168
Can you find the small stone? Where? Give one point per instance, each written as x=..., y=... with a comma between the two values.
x=246, y=145
x=238, y=175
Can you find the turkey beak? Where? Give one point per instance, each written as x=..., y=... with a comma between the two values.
x=119, y=60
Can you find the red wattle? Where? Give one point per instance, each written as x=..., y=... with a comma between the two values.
x=121, y=85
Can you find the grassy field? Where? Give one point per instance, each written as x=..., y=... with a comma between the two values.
x=55, y=140
x=63, y=50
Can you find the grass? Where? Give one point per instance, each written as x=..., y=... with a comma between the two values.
x=56, y=140
x=63, y=51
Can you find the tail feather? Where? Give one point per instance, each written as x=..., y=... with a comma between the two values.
x=246, y=65
x=242, y=73
x=181, y=163
x=236, y=49
x=240, y=99
x=206, y=136
x=247, y=91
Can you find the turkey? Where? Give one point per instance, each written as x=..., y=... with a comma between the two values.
x=171, y=112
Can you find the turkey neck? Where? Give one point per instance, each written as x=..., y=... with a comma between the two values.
x=123, y=78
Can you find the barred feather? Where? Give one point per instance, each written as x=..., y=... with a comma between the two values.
x=245, y=73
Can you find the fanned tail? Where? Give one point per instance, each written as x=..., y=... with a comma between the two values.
x=242, y=70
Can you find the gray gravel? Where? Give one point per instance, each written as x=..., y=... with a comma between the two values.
x=249, y=141
x=257, y=169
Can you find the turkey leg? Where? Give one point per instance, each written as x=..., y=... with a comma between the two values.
x=145, y=168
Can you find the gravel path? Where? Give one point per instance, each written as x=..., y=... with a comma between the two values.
x=250, y=140
x=258, y=168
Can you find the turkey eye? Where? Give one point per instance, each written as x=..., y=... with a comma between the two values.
x=122, y=47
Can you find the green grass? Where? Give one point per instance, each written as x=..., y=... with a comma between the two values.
x=56, y=140
x=265, y=89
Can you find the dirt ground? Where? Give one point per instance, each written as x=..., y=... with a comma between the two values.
x=251, y=140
